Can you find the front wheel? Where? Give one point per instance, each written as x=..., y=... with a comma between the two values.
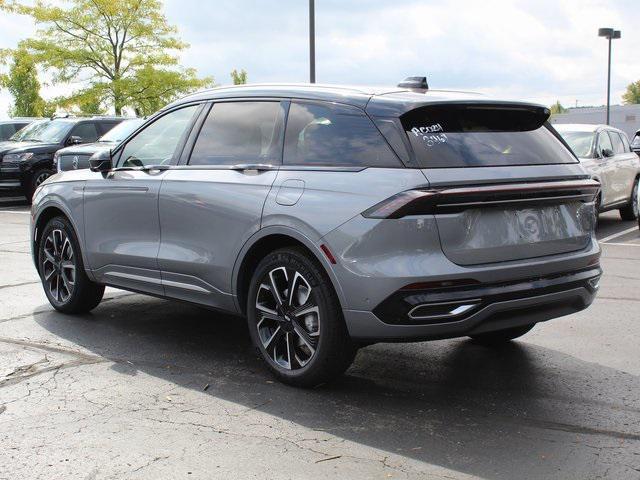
x=632, y=210
x=502, y=336
x=295, y=320
x=65, y=282
x=37, y=178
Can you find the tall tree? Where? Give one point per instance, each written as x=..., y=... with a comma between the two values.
x=110, y=46
x=239, y=77
x=632, y=95
x=23, y=85
x=557, y=108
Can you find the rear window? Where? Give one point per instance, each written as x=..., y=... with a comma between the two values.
x=334, y=135
x=483, y=136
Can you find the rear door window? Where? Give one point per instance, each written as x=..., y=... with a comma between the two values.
x=334, y=135
x=240, y=132
x=483, y=136
x=618, y=146
x=86, y=131
x=625, y=140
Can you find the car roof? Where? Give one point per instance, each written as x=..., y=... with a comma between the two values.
x=16, y=120
x=391, y=101
x=583, y=127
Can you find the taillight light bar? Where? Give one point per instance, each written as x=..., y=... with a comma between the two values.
x=449, y=200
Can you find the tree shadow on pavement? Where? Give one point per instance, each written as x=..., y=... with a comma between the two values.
x=521, y=411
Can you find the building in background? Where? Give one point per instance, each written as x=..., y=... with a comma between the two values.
x=624, y=117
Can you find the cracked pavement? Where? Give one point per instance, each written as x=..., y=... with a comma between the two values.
x=148, y=388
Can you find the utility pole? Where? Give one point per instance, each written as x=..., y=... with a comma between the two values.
x=609, y=34
x=312, y=41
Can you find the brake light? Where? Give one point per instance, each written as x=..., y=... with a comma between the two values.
x=401, y=204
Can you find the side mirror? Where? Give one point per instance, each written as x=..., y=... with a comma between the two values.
x=607, y=152
x=101, y=161
x=74, y=140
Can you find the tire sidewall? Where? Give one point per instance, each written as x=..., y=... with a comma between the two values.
x=323, y=295
x=59, y=223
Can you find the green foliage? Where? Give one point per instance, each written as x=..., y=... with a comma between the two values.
x=557, y=108
x=239, y=78
x=122, y=49
x=23, y=85
x=632, y=95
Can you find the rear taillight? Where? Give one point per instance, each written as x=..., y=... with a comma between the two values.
x=457, y=199
x=406, y=203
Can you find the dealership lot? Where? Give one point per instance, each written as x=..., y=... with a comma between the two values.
x=147, y=388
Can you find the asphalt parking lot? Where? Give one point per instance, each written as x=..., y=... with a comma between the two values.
x=147, y=388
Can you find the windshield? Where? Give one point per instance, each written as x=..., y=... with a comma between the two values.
x=18, y=136
x=50, y=131
x=483, y=136
x=121, y=131
x=580, y=142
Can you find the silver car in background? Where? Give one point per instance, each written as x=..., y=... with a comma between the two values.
x=330, y=218
x=606, y=153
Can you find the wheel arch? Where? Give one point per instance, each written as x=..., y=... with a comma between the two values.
x=42, y=217
x=266, y=241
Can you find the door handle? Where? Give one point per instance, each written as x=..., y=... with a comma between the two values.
x=255, y=167
x=155, y=168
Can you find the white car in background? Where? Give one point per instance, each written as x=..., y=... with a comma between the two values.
x=606, y=153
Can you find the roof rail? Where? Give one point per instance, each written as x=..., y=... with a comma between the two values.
x=82, y=115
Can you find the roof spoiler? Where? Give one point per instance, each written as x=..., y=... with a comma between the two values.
x=418, y=83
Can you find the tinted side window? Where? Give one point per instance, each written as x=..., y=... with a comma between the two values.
x=240, y=132
x=618, y=146
x=604, y=142
x=86, y=131
x=6, y=130
x=334, y=136
x=158, y=142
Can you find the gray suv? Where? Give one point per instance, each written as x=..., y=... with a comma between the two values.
x=330, y=218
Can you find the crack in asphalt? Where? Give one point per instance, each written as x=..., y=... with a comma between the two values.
x=11, y=285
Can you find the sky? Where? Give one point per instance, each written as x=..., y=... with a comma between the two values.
x=534, y=50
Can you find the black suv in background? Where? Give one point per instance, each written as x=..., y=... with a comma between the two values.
x=27, y=160
x=8, y=128
x=77, y=156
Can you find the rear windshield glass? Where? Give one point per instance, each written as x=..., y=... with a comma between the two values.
x=483, y=136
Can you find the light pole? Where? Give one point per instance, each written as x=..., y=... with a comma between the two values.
x=312, y=41
x=609, y=34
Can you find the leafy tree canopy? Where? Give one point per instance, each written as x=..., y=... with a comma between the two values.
x=239, y=77
x=632, y=95
x=23, y=85
x=123, y=52
x=557, y=108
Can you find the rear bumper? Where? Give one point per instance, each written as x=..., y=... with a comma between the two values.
x=497, y=307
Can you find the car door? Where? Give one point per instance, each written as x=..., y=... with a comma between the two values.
x=212, y=203
x=606, y=167
x=625, y=164
x=122, y=229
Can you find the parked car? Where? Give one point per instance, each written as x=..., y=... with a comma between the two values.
x=27, y=160
x=77, y=156
x=635, y=144
x=8, y=128
x=607, y=155
x=331, y=217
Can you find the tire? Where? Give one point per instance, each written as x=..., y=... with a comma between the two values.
x=299, y=332
x=502, y=336
x=37, y=178
x=65, y=282
x=631, y=212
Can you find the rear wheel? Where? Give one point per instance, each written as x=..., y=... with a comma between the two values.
x=65, y=282
x=631, y=211
x=295, y=320
x=502, y=336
